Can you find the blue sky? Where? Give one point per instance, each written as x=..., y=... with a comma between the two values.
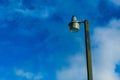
x=36, y=44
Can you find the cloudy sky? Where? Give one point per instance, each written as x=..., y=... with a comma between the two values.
x=36, y=44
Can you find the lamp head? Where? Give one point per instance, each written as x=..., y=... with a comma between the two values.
x=74, y=25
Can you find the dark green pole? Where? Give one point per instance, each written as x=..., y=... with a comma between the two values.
x=88, y=51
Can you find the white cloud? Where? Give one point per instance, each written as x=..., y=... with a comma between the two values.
x=114, y=23
x=105, y=56
x=116, y=2
x=108, y=51
x=28, y=75
x=76, y=71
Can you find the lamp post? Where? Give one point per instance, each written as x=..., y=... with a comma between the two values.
x=74, y=26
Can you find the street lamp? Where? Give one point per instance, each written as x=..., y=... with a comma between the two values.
x=74, y=26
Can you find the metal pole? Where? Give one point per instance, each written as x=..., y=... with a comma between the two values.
x=88, y=52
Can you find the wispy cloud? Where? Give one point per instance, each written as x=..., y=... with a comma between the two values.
x=76, y=70
x=116, y=2
x=28, y=75
x=43, y=13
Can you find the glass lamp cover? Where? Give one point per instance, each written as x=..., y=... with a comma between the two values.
x=74, y=26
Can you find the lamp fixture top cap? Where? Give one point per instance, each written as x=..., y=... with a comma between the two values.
x=74, y=19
